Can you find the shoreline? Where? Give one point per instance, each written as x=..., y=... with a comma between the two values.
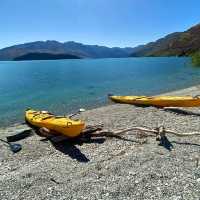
x=193, y=90
x=133, y=167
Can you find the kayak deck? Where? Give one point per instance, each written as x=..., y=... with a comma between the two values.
x=59, y=124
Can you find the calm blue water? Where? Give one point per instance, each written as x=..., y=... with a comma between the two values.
x=63, y=86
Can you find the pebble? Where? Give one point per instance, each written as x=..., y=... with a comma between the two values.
x=198, y=180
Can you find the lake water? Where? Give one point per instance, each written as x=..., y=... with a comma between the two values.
x=63, y=86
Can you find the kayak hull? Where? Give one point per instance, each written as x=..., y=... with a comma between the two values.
x=58, y=125
x=158, y=101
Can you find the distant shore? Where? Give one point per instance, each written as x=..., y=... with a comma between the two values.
x=45, y=56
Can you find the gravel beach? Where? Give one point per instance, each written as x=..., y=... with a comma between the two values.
x=133, y=167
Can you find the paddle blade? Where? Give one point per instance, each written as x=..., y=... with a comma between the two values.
x=15, y=147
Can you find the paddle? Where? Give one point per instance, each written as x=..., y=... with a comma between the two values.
x=13, y=147
x=76, y=113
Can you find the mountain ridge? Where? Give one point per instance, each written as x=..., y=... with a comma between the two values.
x=175, y=44
x=70, y=47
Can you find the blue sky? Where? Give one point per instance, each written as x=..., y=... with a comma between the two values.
x=103, y=22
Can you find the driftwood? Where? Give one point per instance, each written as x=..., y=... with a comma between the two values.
x=157, y=131
x=92, y=128
x=98, y=131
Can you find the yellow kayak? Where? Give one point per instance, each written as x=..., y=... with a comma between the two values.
x=159, y=101
x=58, y=124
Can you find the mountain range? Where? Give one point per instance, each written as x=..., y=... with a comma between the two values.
x=69, y=48
x=175, y=44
